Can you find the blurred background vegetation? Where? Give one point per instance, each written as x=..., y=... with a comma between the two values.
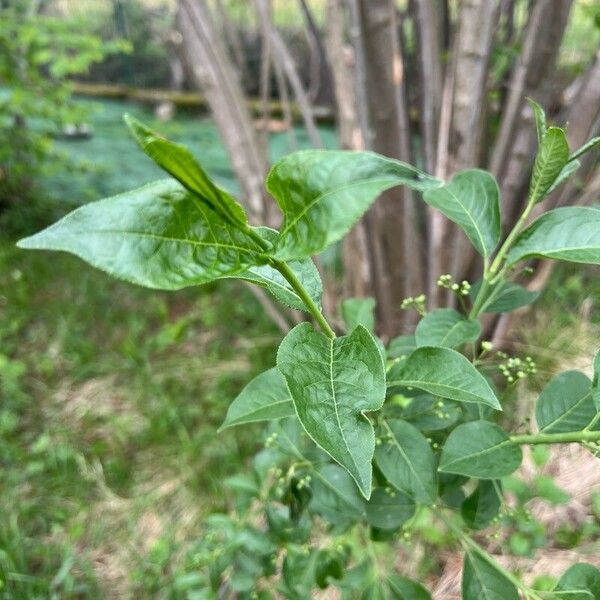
x=110, y=395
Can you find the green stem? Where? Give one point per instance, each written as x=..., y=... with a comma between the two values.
x=556, y=438
x=310, y=304
x=469, y=543
x=296, y=284
x=508, y=242
x=481, y=297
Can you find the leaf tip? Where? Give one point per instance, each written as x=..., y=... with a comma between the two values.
x=27, y=243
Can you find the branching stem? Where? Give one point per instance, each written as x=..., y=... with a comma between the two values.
x=556, y=438
x=296, y=284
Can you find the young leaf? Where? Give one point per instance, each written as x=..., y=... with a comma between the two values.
x=540, y=119
x=405, y=458
x=480, y=449
x=332, y=384
x=471, y=200
x=482, y=580
x=564, y=174
x=505, y=297
x=180, y=163
x=581, y=577
x=158, y=236
x=401, y=346
x=323, y=193
x=552, y=156
x=357, y=311
x=265, y=398
x=272, y=280
x=335, y=495
x=593, y=143
x=388, y=509
x=443, y=372
x=446, y=327
x=479, y=509
x=403, y=588
x=571, y=233
x=565, y=404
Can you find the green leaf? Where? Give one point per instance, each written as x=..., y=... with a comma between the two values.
x=593, y=143
x=480, y=449
x=358, y=311
x=428, y=413
x=571, y=233
x=471, y=200
x=405, y=458
x=403, y=588
x=401, y=346
x=443, y=372
x=329, y=564
x=479, y=509
x=179, y=162
x=323, y=193
x=564, y=174
x=271, y=279
x=483, y=581
x=335, y=495
x=298, y=572
x=333, y=382
x=596, y=382
x=446, y=327
x=265, y=398
x=552, y=156
x=540, y=119
x=581, y=577
x=505, y=297
x=158, y=236
x=565, y=404
x=388, y=509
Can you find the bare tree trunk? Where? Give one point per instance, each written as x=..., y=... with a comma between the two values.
x=583, y=117
x=282, y=54
x=436, y=221
x=214, y=73
x=478, y=20
x=514, y=149
x=429, y=68
x=394, y=264
x=233, y=41
x=357, y=281
x=323, y=94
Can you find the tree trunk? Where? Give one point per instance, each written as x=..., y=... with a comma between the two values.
x=357, y=281
x=282, y=54
x=213, y=72
x=474, y=38
x=532, y=77
x=395, y=263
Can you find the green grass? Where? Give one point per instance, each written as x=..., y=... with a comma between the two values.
x=110, y=400
x=113, y=162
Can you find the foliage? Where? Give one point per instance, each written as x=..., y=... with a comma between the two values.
x=38, y=54
x=349, y=456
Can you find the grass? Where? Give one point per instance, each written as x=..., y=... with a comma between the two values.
x=111, y=397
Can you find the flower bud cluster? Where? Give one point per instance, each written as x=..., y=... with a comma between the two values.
x=461, y=289
x=514, y=368
x=417, y=303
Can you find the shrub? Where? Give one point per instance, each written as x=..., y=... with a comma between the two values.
x=365, y=441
